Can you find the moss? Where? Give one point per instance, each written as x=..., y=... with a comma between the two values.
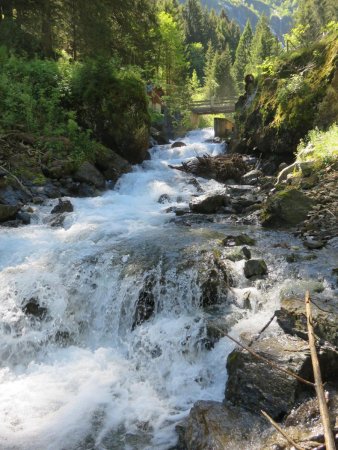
x=287, y=106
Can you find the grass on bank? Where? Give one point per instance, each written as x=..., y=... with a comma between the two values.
x=320, y=146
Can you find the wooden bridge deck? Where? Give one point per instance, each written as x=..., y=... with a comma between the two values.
x=218, y=106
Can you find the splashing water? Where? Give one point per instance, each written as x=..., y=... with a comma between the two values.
x=81, y=376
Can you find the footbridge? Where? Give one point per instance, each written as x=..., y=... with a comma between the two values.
x=213, y=106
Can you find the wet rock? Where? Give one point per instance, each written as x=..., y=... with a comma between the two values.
x=145, y=304
x=297, y=288
x=24, y=217
x=292, y=318
x=252, y=177
x=240, y=239
x=12, y=223
x=255, y=268
x=111, y=164
x=57, y=220
x=178, y=144
x=239, y=254
x=209, y=204
x=214, y=280
x=87, y=173
x=10, y=195
x=33, y=308
x=313, y=244
x=164, y=198
x=215, y=426
x=288, y=207
x=255, y=385
x=62, y=207
x=8, y=212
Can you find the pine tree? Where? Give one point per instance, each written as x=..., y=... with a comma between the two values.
x=264, y=44
x=223, y=74
x=242, y=56
x=210, y=84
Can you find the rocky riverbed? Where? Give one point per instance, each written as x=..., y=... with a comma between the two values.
x=193, y=264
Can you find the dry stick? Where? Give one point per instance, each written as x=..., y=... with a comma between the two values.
x=279, y=429
x=288, y=372
x=262, y=330
x=324, y=412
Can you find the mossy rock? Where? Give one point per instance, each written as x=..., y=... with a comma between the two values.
x=288, y=207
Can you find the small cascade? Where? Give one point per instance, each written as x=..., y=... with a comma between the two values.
x=108, y=324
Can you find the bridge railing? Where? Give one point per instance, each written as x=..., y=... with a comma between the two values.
x=214, y=102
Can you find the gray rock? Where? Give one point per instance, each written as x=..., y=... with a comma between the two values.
x=255, y=268
x=240, y=239
x=145, y=304
x=33, y=308
x=215, y=426
x=255, y=385
x=313, y=244
x=292, y=318
x=111, y=164
x=178, y=144
x=239, y=254
x=8, y=212
x=209, y=204
x=288, y=207
x=251, y=177
x=62, y=207
x=25, y=217
x=87, y=173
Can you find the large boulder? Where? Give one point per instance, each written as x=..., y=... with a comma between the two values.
x=209, y=204
x=256, y=385
x=292, y=318
x=215, y=426
x=288, y=208
x=111, y=164
x=87, y=173
x=8, y=212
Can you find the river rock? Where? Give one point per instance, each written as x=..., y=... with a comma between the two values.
x=255, y=385
x=240, y=239
x=255, y=268
x=87, y=173
x=62, y=207
x=111, y=164
x=145, y=304
x=209, y=204
x=288, y=207
x=215, y=426
x=313, y=244
x=178, y=144
x=8, y=212
x=239, y=253
x=251, y=177
x=33, y=308
x=292, y=318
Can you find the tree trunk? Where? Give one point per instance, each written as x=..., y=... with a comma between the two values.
x=46, y=30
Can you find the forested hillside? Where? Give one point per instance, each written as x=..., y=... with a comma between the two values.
x=279, y=13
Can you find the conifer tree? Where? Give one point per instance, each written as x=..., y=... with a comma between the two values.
x=264, y=44
x=242, y=56
x=210, y=84
x=223, y=74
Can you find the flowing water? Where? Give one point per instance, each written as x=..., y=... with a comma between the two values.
x=82, y=375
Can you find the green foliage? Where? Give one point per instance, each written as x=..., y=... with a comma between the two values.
x=320, y=146
x=264, y=44
x=223, y=75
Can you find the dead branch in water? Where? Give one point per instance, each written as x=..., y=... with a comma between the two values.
x=324, y=412
x=221, y=167
x=282, y=432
